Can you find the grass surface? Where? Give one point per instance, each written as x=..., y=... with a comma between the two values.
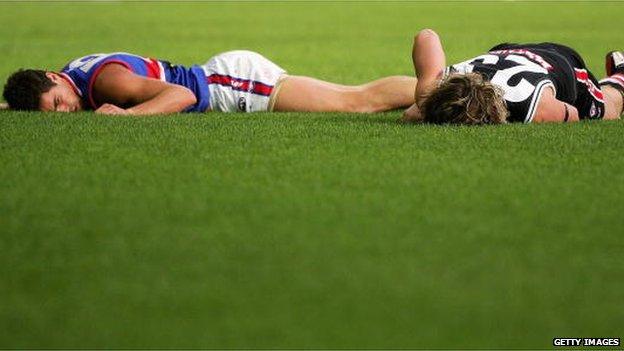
x=305, y=230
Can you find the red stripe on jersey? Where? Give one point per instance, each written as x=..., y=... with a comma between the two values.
x=71, y=82
x=583, y=77
x=526, y=53
x=153, y=68
x=96, y=73
x=239, y=84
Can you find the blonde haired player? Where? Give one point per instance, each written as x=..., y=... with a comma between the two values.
x=545, y=82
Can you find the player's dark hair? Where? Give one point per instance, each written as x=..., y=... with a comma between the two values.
x=24, y=88
x=465, y=99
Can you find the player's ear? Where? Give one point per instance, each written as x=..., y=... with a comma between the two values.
x=53, y=76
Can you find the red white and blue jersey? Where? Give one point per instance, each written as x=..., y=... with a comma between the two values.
x=82, y=73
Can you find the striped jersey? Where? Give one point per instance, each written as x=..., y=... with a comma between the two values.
x=522, y=71
x=81, y=73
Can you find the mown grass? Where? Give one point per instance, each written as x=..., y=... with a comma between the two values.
x=304, y=230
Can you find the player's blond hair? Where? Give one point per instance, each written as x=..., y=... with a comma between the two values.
x=465, y=99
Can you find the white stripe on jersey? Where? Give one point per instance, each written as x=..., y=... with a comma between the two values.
x=71, y=81
x=161, y=71
x=537, y=96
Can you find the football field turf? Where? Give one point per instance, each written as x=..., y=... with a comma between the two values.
x=304, y=230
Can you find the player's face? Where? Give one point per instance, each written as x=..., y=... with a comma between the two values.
x=60, y=98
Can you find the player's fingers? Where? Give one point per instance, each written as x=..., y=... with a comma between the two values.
x=102, y=108
x=109, y=109
x=105, y=111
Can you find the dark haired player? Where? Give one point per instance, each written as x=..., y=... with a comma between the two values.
x=235, y=81
x=544, y=82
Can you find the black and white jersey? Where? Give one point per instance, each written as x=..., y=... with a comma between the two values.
x=524, y=71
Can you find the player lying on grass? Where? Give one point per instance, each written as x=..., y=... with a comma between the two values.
x=512, y=83
x=122, y=83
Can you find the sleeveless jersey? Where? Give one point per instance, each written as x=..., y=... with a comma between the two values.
x=523, y=71
x=82, y=72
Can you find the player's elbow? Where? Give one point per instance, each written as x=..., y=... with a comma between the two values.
x=425, y=34
x=186, y=97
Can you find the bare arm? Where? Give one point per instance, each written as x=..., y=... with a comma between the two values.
x=550, y=109
x=429, y=62
x=117, y=86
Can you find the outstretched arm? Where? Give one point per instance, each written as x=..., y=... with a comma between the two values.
x=118, y=87
x=429, y=63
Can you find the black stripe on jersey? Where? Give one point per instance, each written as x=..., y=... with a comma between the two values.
x=537, y=95
x=447, y=72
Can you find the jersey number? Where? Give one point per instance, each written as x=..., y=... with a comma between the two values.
x=87, y=62
x=520, y=91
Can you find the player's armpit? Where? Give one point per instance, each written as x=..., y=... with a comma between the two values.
x=117, y=85
x=550, y=109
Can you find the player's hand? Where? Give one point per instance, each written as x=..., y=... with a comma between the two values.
x=110, y=109
x=412, y=114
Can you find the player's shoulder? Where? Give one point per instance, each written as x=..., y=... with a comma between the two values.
x=88, y=62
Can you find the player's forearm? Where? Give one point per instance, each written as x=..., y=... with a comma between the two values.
x=556, y=111
x=171, y=100
x=429, y=62
x=427, y=54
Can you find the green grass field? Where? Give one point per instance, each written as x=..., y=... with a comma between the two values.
x=305, y=230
